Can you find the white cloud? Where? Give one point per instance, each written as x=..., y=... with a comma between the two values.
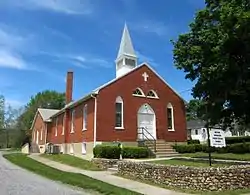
x=83, y=61
x=150, y=26
x=10, y=40
x=73, y=7
x=57, y=33
x=9, y=59
x=14, y=103
x=144, y=58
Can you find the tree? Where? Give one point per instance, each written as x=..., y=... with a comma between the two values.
x=216, y=54
x=2, y=108
x=194, y=110
x=45, y=99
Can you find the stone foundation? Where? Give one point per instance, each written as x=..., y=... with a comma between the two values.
x=105, y=163
x=194, y=178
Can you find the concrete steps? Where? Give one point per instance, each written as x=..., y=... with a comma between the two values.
x=163, y=149
x=113, y=169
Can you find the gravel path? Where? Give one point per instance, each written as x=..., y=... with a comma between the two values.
x=17, y=181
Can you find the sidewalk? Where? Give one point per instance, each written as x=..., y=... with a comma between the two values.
x=107, y=177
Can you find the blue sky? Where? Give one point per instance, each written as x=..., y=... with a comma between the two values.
x=41, y=39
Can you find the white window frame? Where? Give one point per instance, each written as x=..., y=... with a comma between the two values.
x=41, y=134
x=72, y=126
x=137, y=95
x=63, y=123
x=170, y=106
x=56, y=129
x=119, y=101
x=156, y=95
x=85, y=117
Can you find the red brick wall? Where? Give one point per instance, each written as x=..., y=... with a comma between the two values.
x=124, y=88
x=39, y=126
x=79, y=135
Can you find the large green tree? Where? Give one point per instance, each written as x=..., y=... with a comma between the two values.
x=194, y=110
x=215, y=53
x=2, y=108
x=45, y=99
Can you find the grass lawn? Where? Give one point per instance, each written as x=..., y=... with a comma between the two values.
x=187, y=163
x=10, y=149
x=74, y=179
x=226, y=156
x=72, y=161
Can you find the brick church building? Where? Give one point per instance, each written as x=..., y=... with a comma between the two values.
x=136, y=105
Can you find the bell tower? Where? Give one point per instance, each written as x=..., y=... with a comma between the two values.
x=126, y=59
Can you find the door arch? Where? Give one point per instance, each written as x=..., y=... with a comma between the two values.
x=146, y=119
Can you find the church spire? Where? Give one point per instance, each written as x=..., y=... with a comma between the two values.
x=126, y=59
x=126, y=46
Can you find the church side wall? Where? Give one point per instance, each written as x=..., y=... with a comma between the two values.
x=74, y=140
x=124, y=88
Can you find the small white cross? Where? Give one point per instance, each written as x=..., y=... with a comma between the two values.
x=145, y=75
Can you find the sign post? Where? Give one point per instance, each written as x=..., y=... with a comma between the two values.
x=209, y=146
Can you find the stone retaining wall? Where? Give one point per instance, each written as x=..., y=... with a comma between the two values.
x=194, y=178
x=104, y=163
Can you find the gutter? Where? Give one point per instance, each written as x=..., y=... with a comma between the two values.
x=95, y=114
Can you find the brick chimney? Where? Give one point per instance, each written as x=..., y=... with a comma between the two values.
x=69, y=87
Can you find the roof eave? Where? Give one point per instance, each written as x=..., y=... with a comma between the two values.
x=72, y=104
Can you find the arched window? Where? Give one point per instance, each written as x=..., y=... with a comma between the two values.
x=152, y=94
x=119, y=113
x=72, y=126
x=170, y=117
x=138, y=92
x=56, y=128
x=84, y=118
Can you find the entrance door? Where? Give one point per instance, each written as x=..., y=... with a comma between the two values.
x=146, y=120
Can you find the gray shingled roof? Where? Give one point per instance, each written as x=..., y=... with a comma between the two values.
x=47, y=113
x=195, y=124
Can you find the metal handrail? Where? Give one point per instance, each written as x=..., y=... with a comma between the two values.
x=144, y=135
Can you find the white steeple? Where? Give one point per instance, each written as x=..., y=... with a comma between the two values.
x=126, y=59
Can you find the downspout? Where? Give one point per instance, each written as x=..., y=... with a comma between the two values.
x=95, y=114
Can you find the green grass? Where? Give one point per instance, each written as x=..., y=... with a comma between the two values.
x=188, y=191
x=74, y=179
x=10, y=149
x=72, y=161
x=226, y=156
x=187, y=163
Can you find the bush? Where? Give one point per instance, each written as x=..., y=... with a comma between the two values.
x=195, y=141
x=235, y=140
x=135, y=152
x=113, y=152
x=239, y=148
x=106, y=151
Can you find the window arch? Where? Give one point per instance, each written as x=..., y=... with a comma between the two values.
x=119, y=113
x=152, y=94
x=85, y=116
x=138, y=92
x=170, y=117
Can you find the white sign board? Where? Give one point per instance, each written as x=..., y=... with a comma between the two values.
x=217, y=138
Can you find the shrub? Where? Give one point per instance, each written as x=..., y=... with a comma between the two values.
x=135, y=152
x=239, y=148
x=235, y=140
x=113, y=152
x=107, y=151
x=195, y=141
